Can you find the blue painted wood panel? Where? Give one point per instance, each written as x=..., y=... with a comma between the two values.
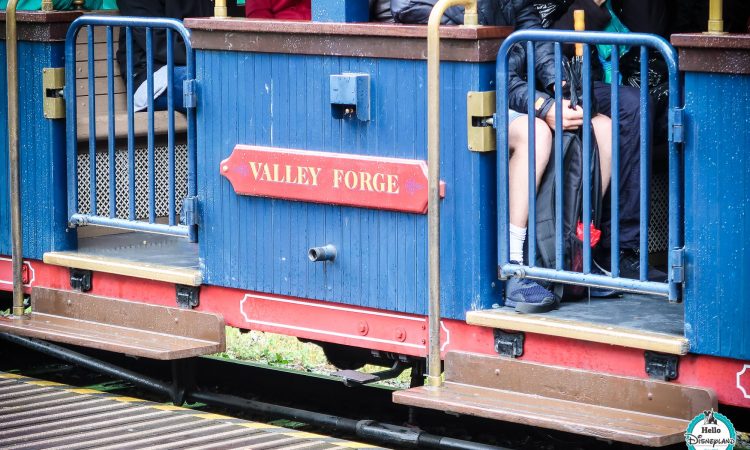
x=42, y=153
x=261, y=244
x=717, y=218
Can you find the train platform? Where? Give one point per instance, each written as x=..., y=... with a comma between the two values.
x=36, y=414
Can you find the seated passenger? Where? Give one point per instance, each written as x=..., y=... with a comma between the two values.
x=524, y=294
x=176, y=9
x=598, y=18
x=278, y=9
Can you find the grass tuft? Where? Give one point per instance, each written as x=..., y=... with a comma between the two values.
x=289, y=353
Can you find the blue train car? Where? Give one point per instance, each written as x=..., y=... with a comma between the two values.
x=293, y=196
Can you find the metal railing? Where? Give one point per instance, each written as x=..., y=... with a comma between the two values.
x=172, y=28
x=559, y=274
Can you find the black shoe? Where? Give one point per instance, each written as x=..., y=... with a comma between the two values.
x=602, y=292
x=630, y=266
x=528, y=296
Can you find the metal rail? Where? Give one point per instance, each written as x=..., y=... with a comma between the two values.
x=220, y=9
x=559, y=273
x=170, y=28
x=716, y=17
x=434, y=364
x=11, y=43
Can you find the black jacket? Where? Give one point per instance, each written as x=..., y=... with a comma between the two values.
x=520, y=14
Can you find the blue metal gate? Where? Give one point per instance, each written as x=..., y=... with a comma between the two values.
x=171, y=224
x=559, y=273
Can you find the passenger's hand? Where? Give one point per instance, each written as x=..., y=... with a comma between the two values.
x=572, y=119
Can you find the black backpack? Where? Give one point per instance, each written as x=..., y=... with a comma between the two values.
x=572, y=209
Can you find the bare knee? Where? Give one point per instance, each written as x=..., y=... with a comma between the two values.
x=543, y=141
x=518, y=139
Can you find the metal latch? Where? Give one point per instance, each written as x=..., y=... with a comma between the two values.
x=80, y=280
x=509, y=344
x=660, y=366
x=188, y=297
x=189, y=94
x=480, y=107
x=676, y=125
x=678, y=265
x=53, y=82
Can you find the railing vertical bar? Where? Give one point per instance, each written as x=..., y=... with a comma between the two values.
x=111, y=137
x=645, y=164
x=71, y=110
x=559, y=157
x=676, y=213
x=586, y=159
x=503, y=215
x=192, y=185
x=92, y=118
x=614, y=185
x=131, y=122
x=151, y=137
x=531, y=235
x=170, y=131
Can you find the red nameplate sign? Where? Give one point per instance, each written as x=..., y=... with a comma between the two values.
x=340, y=179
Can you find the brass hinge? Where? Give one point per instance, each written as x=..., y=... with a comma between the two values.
x=53, y=82
x=480, y=107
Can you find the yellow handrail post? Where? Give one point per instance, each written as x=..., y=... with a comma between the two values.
x=220, y=8
x=11, y=42
x=716, y=17
x=434, y=364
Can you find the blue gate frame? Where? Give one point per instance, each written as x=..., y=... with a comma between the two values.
x=186, y=229
x=671, y=289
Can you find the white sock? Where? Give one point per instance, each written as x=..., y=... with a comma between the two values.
x=517, y=236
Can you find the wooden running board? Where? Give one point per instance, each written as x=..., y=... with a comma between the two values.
x=119, y=266
x=138, y=329
x=508, y=319
x=632, y=410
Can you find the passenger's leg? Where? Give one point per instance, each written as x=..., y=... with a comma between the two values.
x=161, y=102
x=629, y=177
x=523, y=294
x=518, y=166
x=603, y=132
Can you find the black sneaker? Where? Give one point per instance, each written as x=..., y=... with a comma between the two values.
x=528, y=296
x=630, y=266
x=600, y=292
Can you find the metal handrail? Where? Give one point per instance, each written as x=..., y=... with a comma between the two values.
x=433, y=175
x=669, y=289
x=11, y=42
x=716, y=17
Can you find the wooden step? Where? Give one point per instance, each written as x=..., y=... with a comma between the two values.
x=632, y=410
x=138, y=329
x=548, y=324
x=126, y=267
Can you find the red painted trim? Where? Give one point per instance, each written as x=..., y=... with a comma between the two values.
x=321, y=177
x=398, y=332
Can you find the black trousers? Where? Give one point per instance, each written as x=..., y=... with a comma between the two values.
x=630, y=160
